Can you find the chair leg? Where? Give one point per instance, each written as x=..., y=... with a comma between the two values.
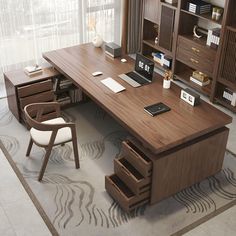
x=45, y=162
x=29, y=147
x=76, y=153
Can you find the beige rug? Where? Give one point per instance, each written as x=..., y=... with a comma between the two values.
x=75, y=201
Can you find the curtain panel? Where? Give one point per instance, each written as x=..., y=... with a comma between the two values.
x=134, y=23
x=30, y=27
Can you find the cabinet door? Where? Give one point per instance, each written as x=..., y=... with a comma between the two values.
x=228, y=65
x=151, y=10
x=166, y=27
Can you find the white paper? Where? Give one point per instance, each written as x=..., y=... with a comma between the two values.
x=113, y=85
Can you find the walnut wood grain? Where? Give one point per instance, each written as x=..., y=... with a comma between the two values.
x=18, y=84
x=19, y=78
x=151, y=10
x=181, y=124
x=186, y=165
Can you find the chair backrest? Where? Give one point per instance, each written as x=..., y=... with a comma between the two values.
x=35, y=113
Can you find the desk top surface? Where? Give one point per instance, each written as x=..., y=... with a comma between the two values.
x=19, y=78
x=183, y=123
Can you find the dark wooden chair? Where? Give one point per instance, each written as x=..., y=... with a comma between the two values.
x=48, y=133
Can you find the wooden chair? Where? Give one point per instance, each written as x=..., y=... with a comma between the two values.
x=49, y=133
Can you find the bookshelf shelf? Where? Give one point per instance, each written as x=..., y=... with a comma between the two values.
x=206, y=16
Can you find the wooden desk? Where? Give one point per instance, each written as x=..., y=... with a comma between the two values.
x=173, y=134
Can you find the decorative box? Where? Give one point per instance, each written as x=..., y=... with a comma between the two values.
x=198, y=7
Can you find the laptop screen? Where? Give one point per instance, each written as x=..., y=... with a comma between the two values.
x=144, y=66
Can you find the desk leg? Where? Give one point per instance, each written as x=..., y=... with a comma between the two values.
x=186, y=165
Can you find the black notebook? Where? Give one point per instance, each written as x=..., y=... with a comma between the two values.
x=156, y=109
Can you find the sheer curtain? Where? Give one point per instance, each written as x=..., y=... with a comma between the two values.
x=30, y=27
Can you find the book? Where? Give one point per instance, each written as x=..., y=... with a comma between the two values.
x=196, y=81
x=228, y=95
x=233, y=102
x=32, y=70
x=171, y=1
x=213, y=37
x=198, y=6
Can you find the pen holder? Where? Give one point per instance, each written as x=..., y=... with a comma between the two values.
x=166, y=84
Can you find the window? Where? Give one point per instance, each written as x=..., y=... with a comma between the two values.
x=30, y=27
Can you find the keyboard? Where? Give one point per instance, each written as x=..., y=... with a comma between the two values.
x=130, y=81
x=136, y=77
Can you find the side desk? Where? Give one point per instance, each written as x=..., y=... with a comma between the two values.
x=23, y=89
x=169, y=152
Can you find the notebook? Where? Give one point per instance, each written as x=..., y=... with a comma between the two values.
x=156, y=109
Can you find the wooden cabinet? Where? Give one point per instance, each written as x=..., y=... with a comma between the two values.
x=172, y=36
x=226, y=81
x=130, y=185
x=195, y=55
x=43, y=87
x=22, y=89
x=159, y=35
x=143, y=177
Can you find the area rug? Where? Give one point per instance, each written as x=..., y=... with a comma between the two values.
x=75, y=201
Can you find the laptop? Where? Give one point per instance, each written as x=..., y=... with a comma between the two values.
x=142, y=74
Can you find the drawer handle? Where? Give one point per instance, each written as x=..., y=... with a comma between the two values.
x=195, y=49
x=125, y=170
x=194, y=61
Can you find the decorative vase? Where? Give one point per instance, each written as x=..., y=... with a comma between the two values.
x=97, y=41
x=166, y=84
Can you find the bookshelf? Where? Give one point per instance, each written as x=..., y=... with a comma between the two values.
x=66, y=92
x=173, y=25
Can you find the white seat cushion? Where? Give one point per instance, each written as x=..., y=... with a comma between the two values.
x=43, y=137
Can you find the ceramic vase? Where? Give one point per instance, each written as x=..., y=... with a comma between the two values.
x=166, y=84
x=97, y=41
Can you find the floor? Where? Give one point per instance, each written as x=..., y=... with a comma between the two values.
x=15, y=200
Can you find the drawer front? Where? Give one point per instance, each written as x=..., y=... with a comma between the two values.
x=194, y=49
x=123, y=195
x=40, y=97
x=195, y=61
x=137, y=158
x=35, y=88
x=131, y=177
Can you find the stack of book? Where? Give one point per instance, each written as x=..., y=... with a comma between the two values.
x=65, y=83
x=76, y=95
x=64, y=99
x=158, y=57
x=162, y=59
x=229, y=96
x=200, y=78
x=198, y=6
x=213, y=37
x=32, y=70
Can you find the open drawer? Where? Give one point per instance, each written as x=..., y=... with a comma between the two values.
x=132, y=177
x=137, y=158
x=123, y=195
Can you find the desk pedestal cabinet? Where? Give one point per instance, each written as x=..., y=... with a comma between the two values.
x=22, y=89
x=142, y=177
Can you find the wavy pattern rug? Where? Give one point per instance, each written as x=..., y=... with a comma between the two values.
x=76, y=202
